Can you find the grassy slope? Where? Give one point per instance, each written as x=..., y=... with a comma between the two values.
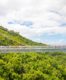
x=15, y=39
x=6, y=39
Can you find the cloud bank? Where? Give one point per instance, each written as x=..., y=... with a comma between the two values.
x=34, y=17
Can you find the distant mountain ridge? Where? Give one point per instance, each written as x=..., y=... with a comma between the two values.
x=15, y=39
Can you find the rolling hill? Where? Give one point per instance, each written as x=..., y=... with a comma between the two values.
x=15, y=39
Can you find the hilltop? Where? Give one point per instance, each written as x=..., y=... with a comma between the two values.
x=15, y=39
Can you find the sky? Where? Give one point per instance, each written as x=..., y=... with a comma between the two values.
x=39, y=20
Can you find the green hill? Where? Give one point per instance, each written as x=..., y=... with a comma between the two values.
x=15, y=39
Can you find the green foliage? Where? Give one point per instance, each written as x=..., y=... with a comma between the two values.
x=14, y=38
x=33, y=66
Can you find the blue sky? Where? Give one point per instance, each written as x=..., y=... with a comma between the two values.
x=26, y=23
x=39, y=20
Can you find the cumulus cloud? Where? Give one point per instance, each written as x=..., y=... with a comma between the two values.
x=47, y=16
x=52, y=42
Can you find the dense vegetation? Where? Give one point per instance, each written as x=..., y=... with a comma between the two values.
x=14, y=38
x=33, y=66
x=29, y=66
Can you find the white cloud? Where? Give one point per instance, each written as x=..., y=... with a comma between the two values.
x=61, y=40
x=47, y=16
x=37, y=40
x=51, y=42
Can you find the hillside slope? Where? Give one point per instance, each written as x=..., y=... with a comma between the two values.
x=15, y=39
